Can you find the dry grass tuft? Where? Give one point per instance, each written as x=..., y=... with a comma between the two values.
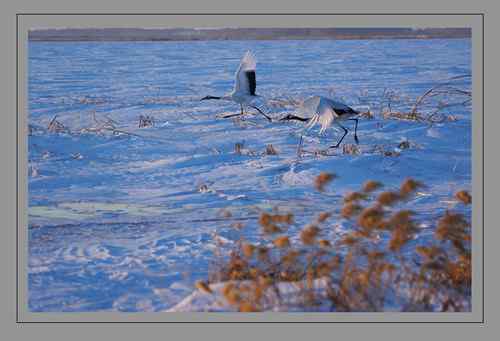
x=379, y=261
x=282, y=219
x=464, y=197
x=263, y=254
x=281, y=242
x=57, y=127
x=354, y=196
x=371, y=218
x=248, y=250
x=403, y=229
x=409, y=186
x=404, y=144
x=371, y=186
x=324, y=243
x=323, y=216
x=388, y=198
x=453, y=227
x=146, y=121
x=265, y=219
x=238, y=148
x=351, y=149
x=322, y=180
x=203, y=286
x=405, y=116
x=391, y=153
x=247, y=307
x=309, y=234
x=275, y=223
x=367, y=115
x=350, y=209
x=270, y=150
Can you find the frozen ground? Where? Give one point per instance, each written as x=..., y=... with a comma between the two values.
x=117, y=222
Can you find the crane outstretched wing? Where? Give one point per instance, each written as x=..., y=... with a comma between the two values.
x=245, y=75
x=340, y=108
x=322, y=112
x=324, y=118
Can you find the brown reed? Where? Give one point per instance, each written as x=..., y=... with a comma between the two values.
x=377, y=261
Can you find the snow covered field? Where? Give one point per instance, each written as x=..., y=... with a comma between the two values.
x=126, y=221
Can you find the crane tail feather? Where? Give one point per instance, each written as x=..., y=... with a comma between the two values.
x=312, y=122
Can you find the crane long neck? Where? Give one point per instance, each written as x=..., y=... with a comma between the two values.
x=210, y=97
x=294, y=117
x=225, y=97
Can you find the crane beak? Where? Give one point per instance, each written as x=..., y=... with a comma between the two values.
x=290, y=117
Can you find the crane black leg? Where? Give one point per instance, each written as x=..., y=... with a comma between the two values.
x=355, y=129
x=232, y=115
x=260, y=111
x=345, y=133
x=299, y=146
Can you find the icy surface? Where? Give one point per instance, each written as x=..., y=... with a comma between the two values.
x=126, y=222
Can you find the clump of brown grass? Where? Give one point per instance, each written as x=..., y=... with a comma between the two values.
x=324, y=243
x=464, y=197
x=350, y=149
x=57, y=127
x=237, y=148
x=282, y=242
x=406, y=116
x=323, y=216
x=367, y=115
x=350, y=209
x=275, y=223
x=248, y=250
x=371, y=218
x=371, y=186
x=322, y=180
x=388, y=198
x=89, y=100
x=409, y=186
x=453, y=227
x=379, y=264
x=309, y=234
x=354, y=196
x=146, y=121
x=404, y=144
x=402, y=228
x=203, y=286
x=270, y=150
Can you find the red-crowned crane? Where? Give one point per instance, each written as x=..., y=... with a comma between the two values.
x=325, y=112
x=244, y=87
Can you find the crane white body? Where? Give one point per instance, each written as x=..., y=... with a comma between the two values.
x=325, y=112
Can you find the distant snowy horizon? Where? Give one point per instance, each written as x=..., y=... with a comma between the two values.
x=240, y=33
